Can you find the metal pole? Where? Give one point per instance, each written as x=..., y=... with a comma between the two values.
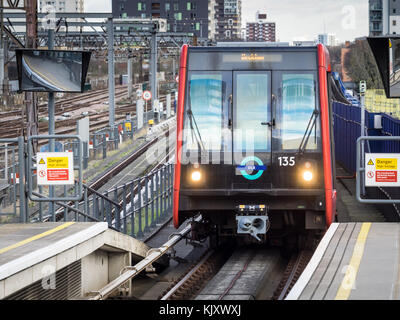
x=22, y=180
x=153, y=69
x=51, y=107
x=2, y=50
x=130, y=60
x=111, y=77
x=362, y=135
x=30, y=97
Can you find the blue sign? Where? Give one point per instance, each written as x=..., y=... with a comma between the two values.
x=259, y=167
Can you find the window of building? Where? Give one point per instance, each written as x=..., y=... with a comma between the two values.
x=394, y=22
x=191, y=6
x=228, y=33
x=178, y=16
x=176, y=6
x=155, y=6
x=121, y=6
x=230, y=22
x=167, y=6
x=141, y=6
x=193, y=15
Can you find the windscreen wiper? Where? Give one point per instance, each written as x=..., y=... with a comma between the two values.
x=199, y=140
x=311, y=124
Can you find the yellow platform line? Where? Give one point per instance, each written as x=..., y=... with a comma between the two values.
x=36, y=237
x=352, y=269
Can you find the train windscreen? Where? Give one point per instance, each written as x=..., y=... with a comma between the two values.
x=296, y=111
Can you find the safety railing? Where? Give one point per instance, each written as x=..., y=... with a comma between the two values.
x=13, y=201
x=133, y=208
x=360, y=171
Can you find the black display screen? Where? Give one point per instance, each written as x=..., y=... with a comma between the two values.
x=52, y=70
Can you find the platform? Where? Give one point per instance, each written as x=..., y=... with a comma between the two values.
x=30, y=252
x=354, y=261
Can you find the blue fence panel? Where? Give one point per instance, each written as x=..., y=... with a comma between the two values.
x=346, y=125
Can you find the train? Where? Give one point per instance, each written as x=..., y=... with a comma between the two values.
x=254, y=149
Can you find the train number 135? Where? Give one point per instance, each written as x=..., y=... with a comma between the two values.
x=286, y=161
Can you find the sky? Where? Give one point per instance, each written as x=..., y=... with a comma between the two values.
x=296, y=19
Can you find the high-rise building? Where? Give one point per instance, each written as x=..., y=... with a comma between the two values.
x=328, y=39
x=261, y=30
x=70, y=6
x=63, y=5
x=182, y=15
x=384, y=17
x=228, y=15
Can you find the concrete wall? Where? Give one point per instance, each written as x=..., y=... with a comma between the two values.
x=101, y=267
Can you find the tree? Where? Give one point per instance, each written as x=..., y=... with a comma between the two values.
x=361, y=65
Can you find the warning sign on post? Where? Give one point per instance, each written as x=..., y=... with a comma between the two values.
x=55, y=168
x=381, y=170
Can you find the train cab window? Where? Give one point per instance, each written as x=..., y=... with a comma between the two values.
x=297, y=115
x=207, y=112
x=251, y=111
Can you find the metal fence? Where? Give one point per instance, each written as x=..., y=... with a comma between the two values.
x=13, y=201
x=347, y=130
x=133, y=208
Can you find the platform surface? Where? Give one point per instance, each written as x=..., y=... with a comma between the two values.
x=354, y=261
x=26, y=248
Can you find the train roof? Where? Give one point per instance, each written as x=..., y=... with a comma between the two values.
x=254, y=48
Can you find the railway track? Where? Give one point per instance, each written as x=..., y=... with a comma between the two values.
x=217, y=277
x=190, y=283
x=10, y=123
x=295, y=267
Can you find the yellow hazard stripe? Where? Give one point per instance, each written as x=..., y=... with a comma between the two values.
x=352, y=269
x=36, y=237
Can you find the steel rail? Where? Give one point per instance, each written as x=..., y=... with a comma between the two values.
x=176, y=287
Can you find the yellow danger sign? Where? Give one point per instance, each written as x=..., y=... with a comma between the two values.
x=128, y=126
x=57, y=162
x=370, y=162
x=386, y=164
x=42, y=161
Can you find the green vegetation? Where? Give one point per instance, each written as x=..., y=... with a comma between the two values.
x=361, y=65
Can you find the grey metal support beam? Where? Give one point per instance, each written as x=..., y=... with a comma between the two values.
x=130, y=71
x=153, y=68
x=52, y=124
x=111, y=77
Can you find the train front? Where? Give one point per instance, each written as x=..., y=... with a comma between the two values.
x=253, y=147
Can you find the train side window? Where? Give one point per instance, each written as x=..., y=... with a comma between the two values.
x=297, y=103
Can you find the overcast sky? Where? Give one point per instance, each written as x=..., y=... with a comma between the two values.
x=296, y=19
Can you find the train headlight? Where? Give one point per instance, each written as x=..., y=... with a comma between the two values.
x=307, y=175
x=196, y=176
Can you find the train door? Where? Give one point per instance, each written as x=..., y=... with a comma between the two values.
x=252, y=128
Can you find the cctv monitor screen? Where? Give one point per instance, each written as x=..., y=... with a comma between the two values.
x=52, y=70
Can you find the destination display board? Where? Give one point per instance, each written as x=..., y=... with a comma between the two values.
x=382, y=170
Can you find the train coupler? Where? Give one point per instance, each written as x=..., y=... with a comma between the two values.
x=252, y=220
